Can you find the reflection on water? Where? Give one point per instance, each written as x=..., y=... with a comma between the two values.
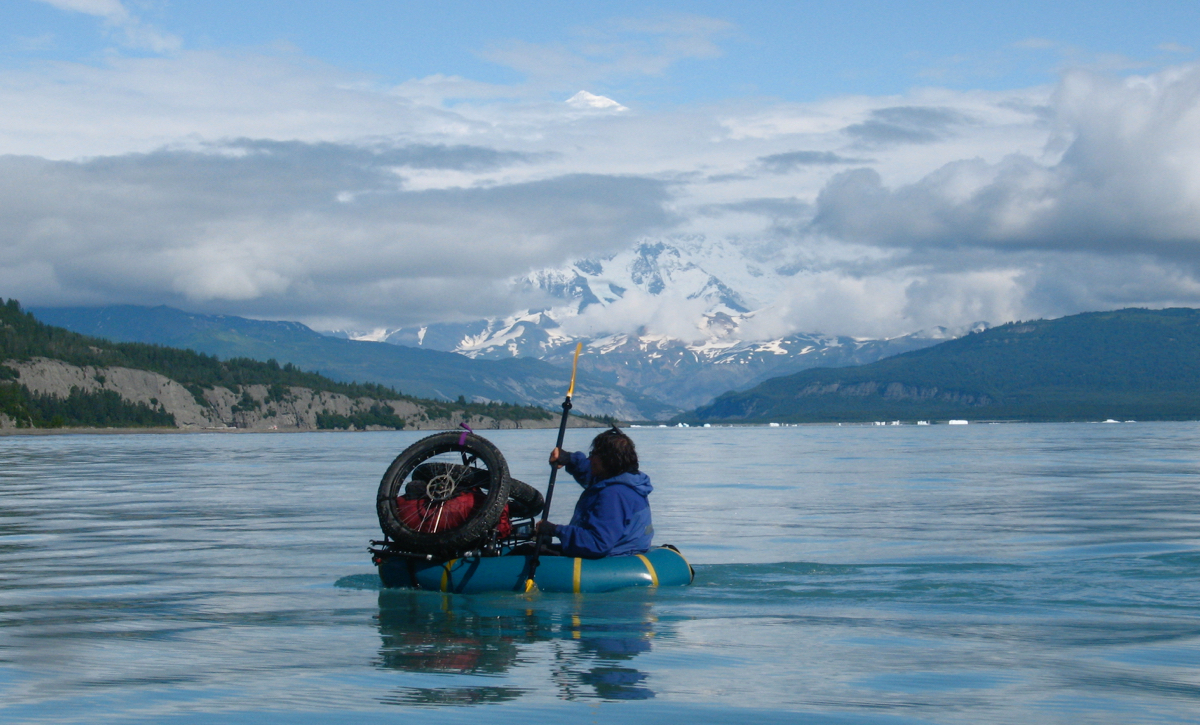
x=593, y=642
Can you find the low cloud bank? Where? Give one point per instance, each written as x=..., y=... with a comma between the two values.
x=301, y=229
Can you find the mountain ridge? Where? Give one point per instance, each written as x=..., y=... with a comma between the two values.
x=423, y=373
x=1132, y=363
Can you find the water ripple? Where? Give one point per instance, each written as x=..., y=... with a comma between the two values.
x=1046, y=573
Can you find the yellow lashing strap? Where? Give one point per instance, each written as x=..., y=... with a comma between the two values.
x=576, y=575
x=446, y=574
x=649, y=568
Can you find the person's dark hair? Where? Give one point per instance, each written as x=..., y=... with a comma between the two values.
x=616, y=452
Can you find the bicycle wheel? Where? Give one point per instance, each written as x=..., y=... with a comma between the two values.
x=445, y=465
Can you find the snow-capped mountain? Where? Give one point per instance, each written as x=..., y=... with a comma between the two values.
x=699, y=350
x=689, y=375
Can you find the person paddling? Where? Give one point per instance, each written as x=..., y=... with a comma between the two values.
x=612, y=517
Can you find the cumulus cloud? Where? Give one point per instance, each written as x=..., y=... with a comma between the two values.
x=591, y=102
x=1108, y=216
x=1128, y=182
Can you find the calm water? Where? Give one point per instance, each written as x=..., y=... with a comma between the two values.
x=1016, y=573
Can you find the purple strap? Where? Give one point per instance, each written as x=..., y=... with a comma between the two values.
x=462, y=439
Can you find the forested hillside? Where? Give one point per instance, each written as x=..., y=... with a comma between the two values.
x=429, y=374
x=23, y=339
x=1126, y=364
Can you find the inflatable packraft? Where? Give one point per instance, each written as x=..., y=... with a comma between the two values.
x=453, y=520
x=662, y=566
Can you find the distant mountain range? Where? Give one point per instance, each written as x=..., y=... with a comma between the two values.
x=681, y=373
x=1127, y=364
x=522, y=358
x=423, y=373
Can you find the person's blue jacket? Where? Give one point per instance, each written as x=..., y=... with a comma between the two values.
x=612, y=517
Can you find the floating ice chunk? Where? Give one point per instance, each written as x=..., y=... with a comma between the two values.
x=957, y=422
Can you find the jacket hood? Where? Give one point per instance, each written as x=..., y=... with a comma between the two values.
x=636, y=480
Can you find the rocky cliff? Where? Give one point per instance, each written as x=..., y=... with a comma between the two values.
x=248, y=407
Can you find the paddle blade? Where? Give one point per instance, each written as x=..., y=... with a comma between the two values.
x=574, y=366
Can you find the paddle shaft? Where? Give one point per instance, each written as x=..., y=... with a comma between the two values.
x=542, y=538
x=562, y=429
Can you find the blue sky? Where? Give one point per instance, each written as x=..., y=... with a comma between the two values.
x=795, y=51
x=920, y=163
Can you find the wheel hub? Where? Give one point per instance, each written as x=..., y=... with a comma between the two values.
x=441, y=488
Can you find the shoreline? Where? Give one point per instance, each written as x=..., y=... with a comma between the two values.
x=16, y=432
x=152, y=431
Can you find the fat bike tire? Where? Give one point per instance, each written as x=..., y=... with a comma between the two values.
x=524, y=501
x=484, y=466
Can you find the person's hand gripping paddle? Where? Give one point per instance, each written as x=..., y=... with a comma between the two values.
x=541, y=538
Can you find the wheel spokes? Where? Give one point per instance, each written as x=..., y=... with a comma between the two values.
x=443, y=487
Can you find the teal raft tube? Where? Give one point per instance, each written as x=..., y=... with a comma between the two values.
x=661, y=566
